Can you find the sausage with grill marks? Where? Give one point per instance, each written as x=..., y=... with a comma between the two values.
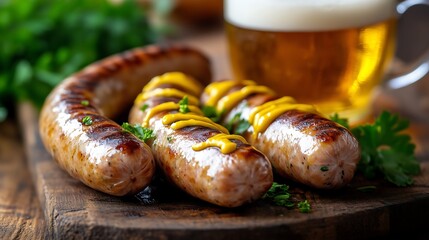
x=97, y=151
x=225, y=179
x=301, y=144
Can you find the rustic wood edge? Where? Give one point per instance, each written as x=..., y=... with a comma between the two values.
x=20, y=214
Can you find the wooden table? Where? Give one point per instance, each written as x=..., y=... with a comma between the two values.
x=20, y=214
x=50, y=204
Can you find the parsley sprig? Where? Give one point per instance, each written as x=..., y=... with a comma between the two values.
x=342, y=121
x=142, y=133
x=304, y=206
x=144, y=107
x=212, y=113
x=279, y=195
x=386, y=149
x=237, y=125
x=184, y=105
x=37, y=49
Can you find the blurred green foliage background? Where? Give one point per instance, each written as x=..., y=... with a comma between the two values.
x=43, y=41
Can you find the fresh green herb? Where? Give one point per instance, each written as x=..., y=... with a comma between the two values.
x=324, y=168
x=367, y=188
x=84, y=102
x=39, y=50
x=87, y=120
x=342, y=121
x=212, y=113
x=387, y=150
x=170, y=139
x=237, y=125
x=142, y=133
x=242, y=126
x=144, y=107
x=279, y=195
x=183, y=105
x=304, y=206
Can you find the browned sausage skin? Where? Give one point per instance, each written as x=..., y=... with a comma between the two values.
x=98, y=152
x=225, y=179
x=300, y=143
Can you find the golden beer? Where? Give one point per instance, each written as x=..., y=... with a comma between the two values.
x=333, y=60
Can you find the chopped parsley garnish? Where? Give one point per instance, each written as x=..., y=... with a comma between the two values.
x=237, y=125
x=84, y=102
x=140, y=132
x=342, y=121
x=87, y=120
x=324, y=168
x=279, y=195
x=385, y=149
x=144, y=107
x=304, y=206
x=170, y=139
x=183, y=105
x=212, y=113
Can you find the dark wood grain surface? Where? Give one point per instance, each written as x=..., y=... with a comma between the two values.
x=20, y=213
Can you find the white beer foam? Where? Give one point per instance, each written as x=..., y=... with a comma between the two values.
x=307, y=15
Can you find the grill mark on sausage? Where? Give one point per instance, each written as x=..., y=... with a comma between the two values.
x=106, y=132
x=301, y=120
x=131, y=59
x=330, y=134
x=323, y=129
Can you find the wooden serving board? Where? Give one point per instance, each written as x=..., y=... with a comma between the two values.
x=74, y=211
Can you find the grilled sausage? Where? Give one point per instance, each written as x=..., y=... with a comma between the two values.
x=227, y=180
x=301, y=144
x=75, y=122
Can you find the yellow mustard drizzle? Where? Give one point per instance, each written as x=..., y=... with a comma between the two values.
x=262, y=116
x=217, y=89
x=227, y=102
x=221, y=141
x=176, y=78
x=168, y=106
x=180, y=120
x=165, y=92
x=270, y=105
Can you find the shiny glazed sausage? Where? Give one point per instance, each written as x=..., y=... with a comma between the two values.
x=300, y=143
x=75, y=122
x=225, y=179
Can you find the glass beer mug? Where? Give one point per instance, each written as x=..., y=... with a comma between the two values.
x=330, y=53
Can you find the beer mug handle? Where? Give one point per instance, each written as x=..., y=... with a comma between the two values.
x=417, y=71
